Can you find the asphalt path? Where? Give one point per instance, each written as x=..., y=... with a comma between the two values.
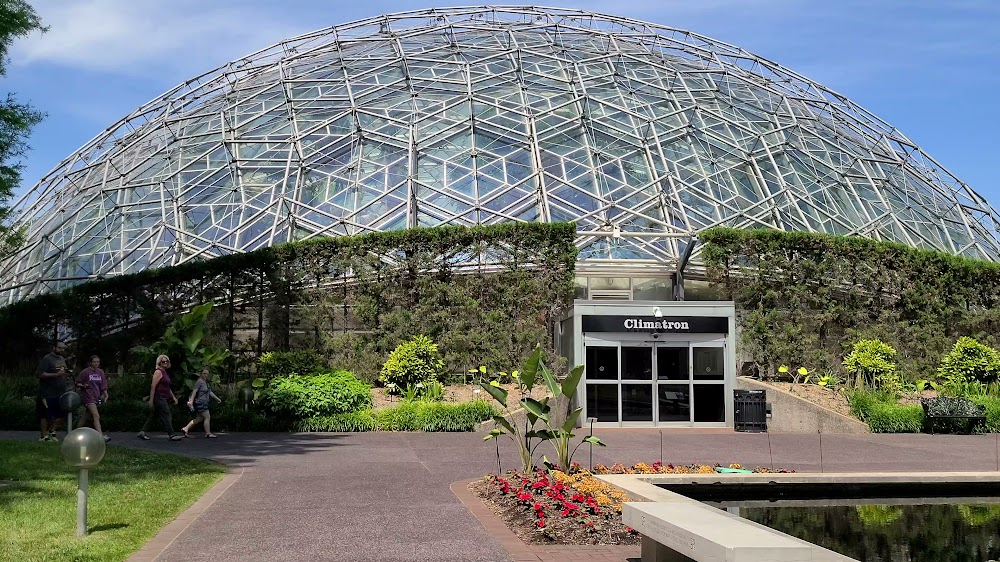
x=386, y=496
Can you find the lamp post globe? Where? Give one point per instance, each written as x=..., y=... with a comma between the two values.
x=83, y=448
x=69, y=402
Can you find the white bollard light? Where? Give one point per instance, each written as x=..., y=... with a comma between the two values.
x=83, y=448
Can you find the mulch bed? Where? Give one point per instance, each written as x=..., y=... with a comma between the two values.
x=580, y=526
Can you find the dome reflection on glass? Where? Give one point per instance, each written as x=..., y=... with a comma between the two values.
x=642, y=134
x=83, y=448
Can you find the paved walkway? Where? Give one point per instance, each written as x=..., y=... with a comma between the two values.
x=386, y=496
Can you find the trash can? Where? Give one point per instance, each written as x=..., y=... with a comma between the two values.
x=750, y=411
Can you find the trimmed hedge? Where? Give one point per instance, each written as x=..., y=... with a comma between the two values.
x=803, y=299
x=408, y=416
x=353, y=298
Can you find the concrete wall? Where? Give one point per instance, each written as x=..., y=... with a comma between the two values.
x=792, y=414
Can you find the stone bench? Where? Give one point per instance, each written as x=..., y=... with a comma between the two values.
x=682, y=531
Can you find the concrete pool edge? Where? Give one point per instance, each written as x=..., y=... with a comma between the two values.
x=664, y=539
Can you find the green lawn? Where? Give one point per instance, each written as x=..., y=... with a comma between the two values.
x=132, y=495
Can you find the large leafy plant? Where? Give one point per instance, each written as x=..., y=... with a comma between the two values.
x=183, y=343
x=527, y=437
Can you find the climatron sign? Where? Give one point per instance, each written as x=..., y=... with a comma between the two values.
x=661, y=325
x=640, y=324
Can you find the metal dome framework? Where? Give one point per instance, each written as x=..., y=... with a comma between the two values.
x=643, y=134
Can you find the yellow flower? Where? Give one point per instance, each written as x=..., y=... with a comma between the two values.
x=803, y=371
x=783, y=369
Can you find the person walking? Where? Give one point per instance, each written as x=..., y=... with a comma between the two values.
x=93, y=385
x=51, y=385
x=159, y=393
x=198, y=402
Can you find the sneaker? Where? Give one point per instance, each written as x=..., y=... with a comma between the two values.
x=46, y=438
x=52, y=436
x=107, y=438
x=176, y=438
x=143, y=436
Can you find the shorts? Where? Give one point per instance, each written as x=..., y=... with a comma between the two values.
x=51, y=411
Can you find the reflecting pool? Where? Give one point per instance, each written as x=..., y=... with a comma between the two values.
x=908, y=530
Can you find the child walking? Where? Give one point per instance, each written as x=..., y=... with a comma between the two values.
x=198, y=402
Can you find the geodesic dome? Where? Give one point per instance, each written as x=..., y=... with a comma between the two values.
x=642, y=134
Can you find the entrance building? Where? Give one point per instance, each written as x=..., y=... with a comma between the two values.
x=653, y=363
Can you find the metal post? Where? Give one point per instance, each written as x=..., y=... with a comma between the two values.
x=81, y=504
x=69, y=422
x=592, y=445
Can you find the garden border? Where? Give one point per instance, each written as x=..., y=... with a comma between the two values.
x=521, y=551
x=162, y=540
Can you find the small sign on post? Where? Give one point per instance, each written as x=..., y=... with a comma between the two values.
x=83, y=448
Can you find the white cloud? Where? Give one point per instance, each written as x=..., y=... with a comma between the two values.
x=140, y=37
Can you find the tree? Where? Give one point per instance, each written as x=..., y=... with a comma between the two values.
x=17, y=19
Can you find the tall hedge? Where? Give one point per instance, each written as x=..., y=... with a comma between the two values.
x=484, y=293
x=803, y=299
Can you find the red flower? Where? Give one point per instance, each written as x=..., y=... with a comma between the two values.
x=539, y=507
x=579, y=498
x=540, y=523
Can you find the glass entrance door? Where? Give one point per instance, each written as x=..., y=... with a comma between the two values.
x=656, y=383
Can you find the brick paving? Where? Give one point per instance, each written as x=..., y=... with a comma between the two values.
x=388, y=496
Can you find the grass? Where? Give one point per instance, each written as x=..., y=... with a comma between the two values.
x=132, y=495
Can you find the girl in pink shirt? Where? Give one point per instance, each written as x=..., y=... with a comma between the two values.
x=93, y=385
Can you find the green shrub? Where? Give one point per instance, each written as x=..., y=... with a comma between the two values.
x=895, y=418
x=992, y=405
x=970, y=360
x=18, y=414
x=414, y=361
x=283, y=363
x=346, y=422
x=872, y=362
x=407, y=416
x=433, y=416
x=880, y=411
x=305, y=396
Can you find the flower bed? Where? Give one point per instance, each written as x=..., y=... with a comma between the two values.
x=660, y=468
x=552, y=507
x=555, y=507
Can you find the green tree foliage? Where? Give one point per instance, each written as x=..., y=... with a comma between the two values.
x=17, y=19
x=968, y=361
x=282, y=363
x=871, y=363
x=412, y=362
x=803, y=299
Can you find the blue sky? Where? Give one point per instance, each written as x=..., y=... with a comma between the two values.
x=930, y=68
